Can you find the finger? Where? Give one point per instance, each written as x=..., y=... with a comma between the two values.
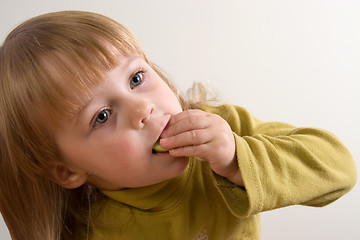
x=193, y=137
x=184, y=114
x=190, y=151
x=189, y=120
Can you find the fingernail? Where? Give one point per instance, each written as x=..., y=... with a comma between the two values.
x=163, y=141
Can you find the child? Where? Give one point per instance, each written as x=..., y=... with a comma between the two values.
x=81, y=109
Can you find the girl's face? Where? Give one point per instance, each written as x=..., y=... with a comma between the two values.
x=111, y=138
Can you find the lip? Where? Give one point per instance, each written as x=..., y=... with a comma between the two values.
x=160, y=124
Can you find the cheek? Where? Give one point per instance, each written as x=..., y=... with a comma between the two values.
x=122, y=149
x=171, y=100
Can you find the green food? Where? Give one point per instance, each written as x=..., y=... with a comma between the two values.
x=158, y=148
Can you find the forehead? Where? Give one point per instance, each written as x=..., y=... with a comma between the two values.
x=90, y=88
x=54, y=60
x=70, y=80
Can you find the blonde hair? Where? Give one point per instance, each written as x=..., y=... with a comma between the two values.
x=36, y=59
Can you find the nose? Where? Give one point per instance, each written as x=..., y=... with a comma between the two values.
x=141, y=112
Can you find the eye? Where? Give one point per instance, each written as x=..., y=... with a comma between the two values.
x=102, y=117
x=136, y=79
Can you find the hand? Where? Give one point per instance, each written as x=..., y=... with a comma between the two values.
x=195, y=133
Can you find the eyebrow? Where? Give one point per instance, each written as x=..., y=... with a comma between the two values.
x=79, y=112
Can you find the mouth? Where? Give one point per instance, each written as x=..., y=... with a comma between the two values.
x=157, y=148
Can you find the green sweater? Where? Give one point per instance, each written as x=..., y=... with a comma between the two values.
x=281, y=165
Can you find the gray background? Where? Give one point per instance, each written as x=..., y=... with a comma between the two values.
x=289, y=61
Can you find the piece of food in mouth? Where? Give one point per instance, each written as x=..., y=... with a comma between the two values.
x=159, y=149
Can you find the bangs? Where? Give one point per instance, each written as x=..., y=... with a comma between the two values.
x=60, y=56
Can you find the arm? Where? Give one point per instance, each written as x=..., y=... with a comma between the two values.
x=282, y=165
x=278, y=164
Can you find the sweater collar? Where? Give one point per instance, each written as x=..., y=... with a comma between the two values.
x=157, y=197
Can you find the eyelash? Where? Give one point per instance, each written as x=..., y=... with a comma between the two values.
x=94, y=124
x=140, y=71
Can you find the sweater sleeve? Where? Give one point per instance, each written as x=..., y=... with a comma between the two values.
x=282, y=165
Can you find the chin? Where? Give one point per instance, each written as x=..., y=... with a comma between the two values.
x=180, y=165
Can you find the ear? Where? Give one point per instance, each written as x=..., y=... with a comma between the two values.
x=65, y=176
